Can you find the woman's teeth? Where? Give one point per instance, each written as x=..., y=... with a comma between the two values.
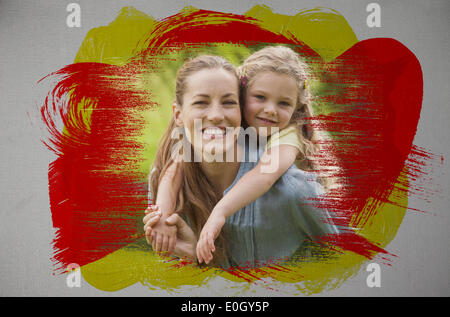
x=213, y=133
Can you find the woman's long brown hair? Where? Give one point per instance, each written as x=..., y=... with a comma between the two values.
x=196, y=198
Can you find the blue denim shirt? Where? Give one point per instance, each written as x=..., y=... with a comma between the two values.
x=278, y=223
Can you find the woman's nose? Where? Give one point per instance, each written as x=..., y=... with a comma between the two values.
x=215, y=113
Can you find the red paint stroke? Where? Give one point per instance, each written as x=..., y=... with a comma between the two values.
x=97, y=211
x=355, y=243
x=94, y=207
x=374, y=123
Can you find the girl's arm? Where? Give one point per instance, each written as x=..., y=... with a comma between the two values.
x=273, y=163
x=168, y=188
x=163, y=236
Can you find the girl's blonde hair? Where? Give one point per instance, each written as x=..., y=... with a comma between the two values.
x=196, y=198
x=283, y=60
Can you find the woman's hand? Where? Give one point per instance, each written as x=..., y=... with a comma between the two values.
x=185, y=238
x=210, y=232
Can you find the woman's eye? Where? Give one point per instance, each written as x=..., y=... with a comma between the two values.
x=229, y=102
x=200, y=102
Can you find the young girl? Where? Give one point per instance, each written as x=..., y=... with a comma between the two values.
x=276, y=94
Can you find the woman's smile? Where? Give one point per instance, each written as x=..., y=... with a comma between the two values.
x=210, y=133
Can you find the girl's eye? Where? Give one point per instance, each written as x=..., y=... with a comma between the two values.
x=285, y=104
x=200, y=102
x=260, y=97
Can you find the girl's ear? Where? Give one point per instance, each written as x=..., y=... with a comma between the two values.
x=177, y=114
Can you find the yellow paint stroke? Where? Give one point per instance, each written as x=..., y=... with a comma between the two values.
x=324, y=30
x=327, y=33
x=116, y=43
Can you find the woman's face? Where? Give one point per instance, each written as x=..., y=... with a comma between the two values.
x=210, y=112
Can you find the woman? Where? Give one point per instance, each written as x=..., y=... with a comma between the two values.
x=271, y=228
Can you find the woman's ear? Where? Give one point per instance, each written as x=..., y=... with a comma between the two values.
x=177, y=114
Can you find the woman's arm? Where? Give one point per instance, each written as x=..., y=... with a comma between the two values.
x=273, y=163
x=163, y=237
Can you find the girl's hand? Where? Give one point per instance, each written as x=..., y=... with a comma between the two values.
x=152, y=217
x=210, y=232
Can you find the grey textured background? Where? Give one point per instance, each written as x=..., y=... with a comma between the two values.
x=34, y=41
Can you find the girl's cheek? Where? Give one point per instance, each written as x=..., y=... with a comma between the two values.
x=252, y=100
x=287, y=112
x=250, y=106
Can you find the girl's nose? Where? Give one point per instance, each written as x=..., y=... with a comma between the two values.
x=269, y=108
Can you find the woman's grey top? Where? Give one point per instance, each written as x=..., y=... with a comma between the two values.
x=277, y=224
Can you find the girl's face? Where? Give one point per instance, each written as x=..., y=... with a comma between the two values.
x=210, y=112
x=271, y=99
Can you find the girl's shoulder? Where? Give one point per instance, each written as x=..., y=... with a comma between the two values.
x=290, y=130
x=286, y=136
